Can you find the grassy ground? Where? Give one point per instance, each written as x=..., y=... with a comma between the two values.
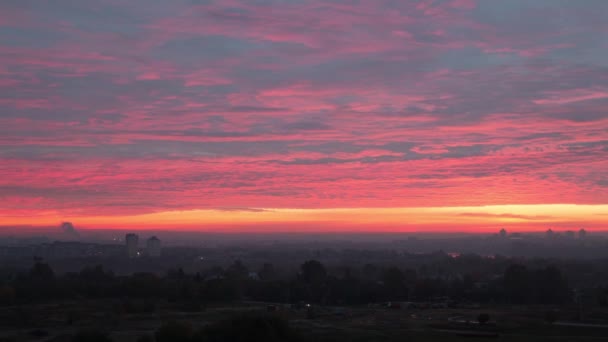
x=347, y=324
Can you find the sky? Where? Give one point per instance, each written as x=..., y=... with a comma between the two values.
x=298, y=115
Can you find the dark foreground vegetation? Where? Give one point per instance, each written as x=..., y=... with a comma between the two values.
x=517, y=284
x=443, y=298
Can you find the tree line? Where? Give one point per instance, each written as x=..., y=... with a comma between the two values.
x=312, y=284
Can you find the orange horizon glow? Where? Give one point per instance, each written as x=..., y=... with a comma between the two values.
x=429, y=219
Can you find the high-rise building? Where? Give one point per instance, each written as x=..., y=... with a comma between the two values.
x=153, y=247
x=502, y=233
x=132, y=241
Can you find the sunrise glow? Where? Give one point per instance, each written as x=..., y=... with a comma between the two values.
x=304, y=115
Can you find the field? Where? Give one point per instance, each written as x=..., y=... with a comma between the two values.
x=128, y=320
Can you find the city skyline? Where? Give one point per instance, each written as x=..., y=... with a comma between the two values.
x=304, y=116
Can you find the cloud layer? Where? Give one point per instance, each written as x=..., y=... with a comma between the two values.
x=122, y=108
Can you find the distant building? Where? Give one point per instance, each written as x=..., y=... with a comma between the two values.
x=153, y=247
x=549, y=234
x=132, y=241
x=68, y=229
x=569, y=234
x=582, y=234
x=502, y=233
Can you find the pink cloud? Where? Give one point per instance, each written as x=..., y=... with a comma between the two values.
x=305, y=105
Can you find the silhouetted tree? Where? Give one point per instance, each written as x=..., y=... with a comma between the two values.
x=394, y=282
x=410, y=276
x=517, y=283
x=312, y=284
x=41, y=272
x=39, y=283
x=270, y=291
x=143, y=285
x=237, y=271
x=96, y=274
x=551, y=286
x=370, y=272
x=345, y=289
x=313, y=272
x=544, y=286
x=219, y=290
x=267, y=272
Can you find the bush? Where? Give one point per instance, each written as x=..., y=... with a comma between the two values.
x=91, y=336
x=246, y=328
x=483, y=318
x=174, y=331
